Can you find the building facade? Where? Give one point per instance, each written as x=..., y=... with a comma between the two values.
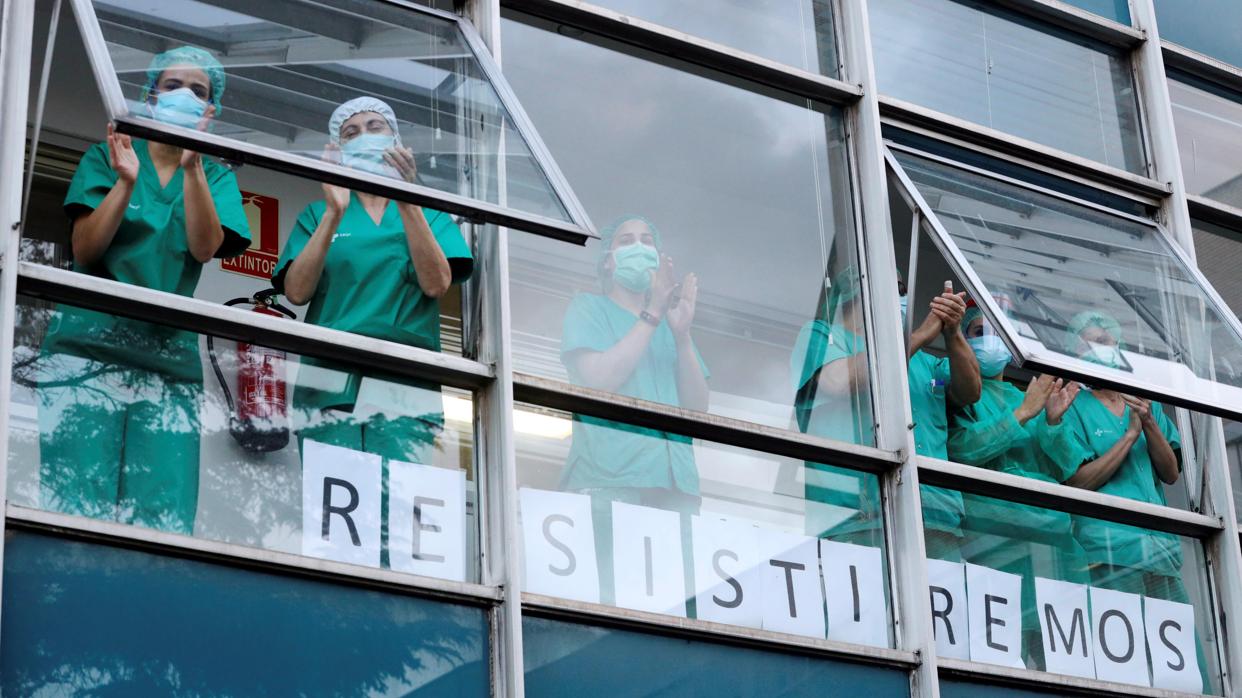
x=551, y=348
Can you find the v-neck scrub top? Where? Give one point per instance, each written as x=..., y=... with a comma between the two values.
x=369, y=287
x=1086, y=432
x=929, y=378
x=150, y=250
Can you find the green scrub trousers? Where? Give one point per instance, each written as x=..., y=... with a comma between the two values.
x=119, y=398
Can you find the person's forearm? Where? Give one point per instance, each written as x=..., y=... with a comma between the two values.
x=965, y=384
x=1163, y=459
x=610, y=369
x=93, y=232
x=1093, y=475
x=691, y=383
x=430, y=265
x=203, y=232
x=919, y=338
x=304, y=271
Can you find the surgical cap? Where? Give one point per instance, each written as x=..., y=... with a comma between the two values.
x=358, y=105
x=1092, y=318
x=187, y=55
x=845, y=286
x=607, y=234
x=972, y=312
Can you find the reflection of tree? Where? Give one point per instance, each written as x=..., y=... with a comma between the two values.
x=110, y=622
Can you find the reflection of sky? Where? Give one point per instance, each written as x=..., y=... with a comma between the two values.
x=736, y=182
x=781, y=30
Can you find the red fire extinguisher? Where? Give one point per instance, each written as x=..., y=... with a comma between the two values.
x=258, y=420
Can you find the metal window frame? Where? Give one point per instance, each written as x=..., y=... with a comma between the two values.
x=577, y=230
x=1047, y=360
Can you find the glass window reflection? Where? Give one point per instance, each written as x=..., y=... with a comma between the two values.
x=1208, y=122
x=668, y=525
x=798, y=33
x=710, y=174
x=99, y=431
x=1075, y=595
x=982, y=64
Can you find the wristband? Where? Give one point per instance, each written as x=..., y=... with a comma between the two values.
x=649, y=318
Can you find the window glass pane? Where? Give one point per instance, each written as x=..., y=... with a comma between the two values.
x=997, y=69
x=1037, y=582
x=747, y=196
x=566, y=659
x=1218, y=253
x=278, y=73
x=126, y=421
x=1117, y=10
x=1088, y=285
x=84, y=619
x=1209, y=141
x=1207, y=26
x=658, y=522
x=795, y=32
x=150, y=246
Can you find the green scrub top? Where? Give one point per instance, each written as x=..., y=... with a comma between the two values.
x=610, y=454
x=148, y=250
x=987, y=435
x=839, y=417
x=1086, y=432
x=829, y=416
x=369, y=287
x=929, y=379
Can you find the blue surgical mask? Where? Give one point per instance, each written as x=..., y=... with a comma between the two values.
x=179, y=107
x=905, y=302
x=1103, y=354
x=633, y=265
x=992, y=354
x=366, y=152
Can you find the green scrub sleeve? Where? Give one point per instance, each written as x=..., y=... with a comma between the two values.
x=1168, y=429
x=303, y=227
x=977, y=441
x=452, y=242
x=817, y=345
x=227, y=197
x=585, y=326
x=91, y=182
x=1063, y=446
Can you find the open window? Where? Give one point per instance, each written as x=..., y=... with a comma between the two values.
x=289, y=63
x=1037, y=262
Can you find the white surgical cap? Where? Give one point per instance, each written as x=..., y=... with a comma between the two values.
x=358, y=105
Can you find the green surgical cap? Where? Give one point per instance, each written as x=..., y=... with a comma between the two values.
x=845, y=286
x=607, y=234
x=1091, y=318
x=971, y=313
x=187, y=55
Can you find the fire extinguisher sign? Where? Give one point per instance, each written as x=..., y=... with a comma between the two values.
x=263, y=215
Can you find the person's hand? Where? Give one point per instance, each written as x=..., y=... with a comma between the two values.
x=1140, y=407
x=191, y=159
x=1059, y=400
x=681, y=310
x=1037, y=394
x=663, y=283
x=1136, y=424
x=121, y=156
x=402, y=161
x=949, y=307
x=337, y=198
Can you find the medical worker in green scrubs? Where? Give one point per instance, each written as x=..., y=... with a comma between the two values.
x=1120, y=445
x=936, y=385
x=633, y=339
x=119, y=398
x=833, y=400
x=999, y=432
x=375, y=267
